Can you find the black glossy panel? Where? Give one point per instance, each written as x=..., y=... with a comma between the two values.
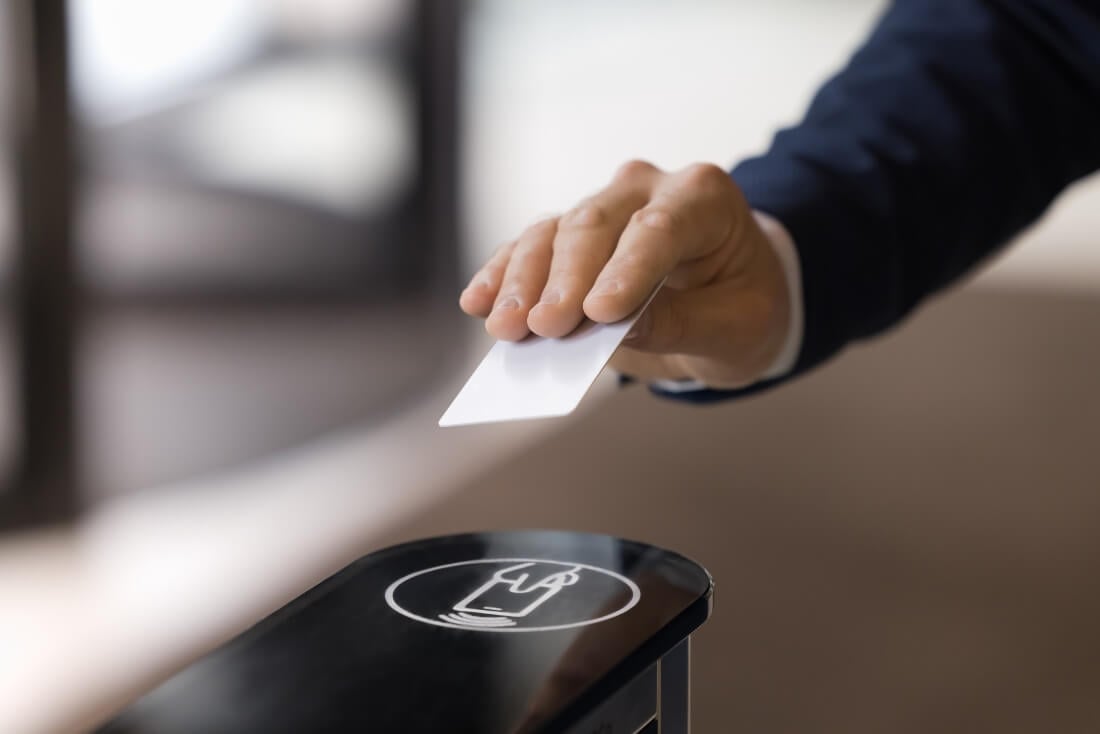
x=487, y=633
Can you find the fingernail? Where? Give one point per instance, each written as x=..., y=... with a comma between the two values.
x=508, y=304
x=551, y=297
x=607, y=287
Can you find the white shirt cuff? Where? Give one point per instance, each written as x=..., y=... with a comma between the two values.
x=783, y=245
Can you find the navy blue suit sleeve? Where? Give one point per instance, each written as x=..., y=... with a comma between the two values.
x=950, y=130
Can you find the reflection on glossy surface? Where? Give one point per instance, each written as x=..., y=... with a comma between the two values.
x=488, y=633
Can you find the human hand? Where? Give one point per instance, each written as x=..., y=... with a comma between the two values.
x=721, y=317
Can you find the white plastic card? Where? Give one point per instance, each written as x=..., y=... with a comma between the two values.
x=537, y=377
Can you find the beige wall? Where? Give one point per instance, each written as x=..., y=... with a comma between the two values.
x=908, y=540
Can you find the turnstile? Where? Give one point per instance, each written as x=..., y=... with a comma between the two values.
x=489, y=633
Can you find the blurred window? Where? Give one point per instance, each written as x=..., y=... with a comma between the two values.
x=263, y=211
x=244, y=144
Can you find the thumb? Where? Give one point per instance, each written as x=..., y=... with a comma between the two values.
x=721, y=321
x=663, y=324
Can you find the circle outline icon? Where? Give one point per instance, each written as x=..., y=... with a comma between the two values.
x=391, y=591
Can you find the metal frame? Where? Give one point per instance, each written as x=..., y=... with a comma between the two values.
x=658, y=701
x=44, y=486
x=675, y=690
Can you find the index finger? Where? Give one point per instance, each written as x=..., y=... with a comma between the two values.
x=689, y=217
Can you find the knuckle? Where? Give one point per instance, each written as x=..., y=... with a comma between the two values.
x=585, y=215
x=485, y=277
x=634, y=170
x=705, y=177
x=535, y=233
x=566, y=285
x=523, y=258
x=634, y=262
x=658, y=217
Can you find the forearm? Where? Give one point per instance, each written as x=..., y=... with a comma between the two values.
x=950, y=130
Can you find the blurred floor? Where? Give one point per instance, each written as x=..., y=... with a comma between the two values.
x=174, y=392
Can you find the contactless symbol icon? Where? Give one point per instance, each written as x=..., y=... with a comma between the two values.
x=516, y=594
x=512, y=595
